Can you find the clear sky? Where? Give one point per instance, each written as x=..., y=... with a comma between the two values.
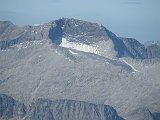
x=138, y=19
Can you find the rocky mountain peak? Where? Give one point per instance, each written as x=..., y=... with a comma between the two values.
x=89, y=36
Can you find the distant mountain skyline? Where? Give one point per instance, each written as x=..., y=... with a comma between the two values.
x=137, y=19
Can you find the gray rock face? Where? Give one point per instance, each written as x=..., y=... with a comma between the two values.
x=153, y=51
x=156, y=116
x=4, y=25
x=10, y=108
x=82, y=31
x=12, y=34
x=44, y=109
x=71, y=110
x=41, y=110
x=73, y=30
x=135, y=48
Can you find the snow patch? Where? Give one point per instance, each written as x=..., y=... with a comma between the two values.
x=36, y=24
x=5, y=50
x=26, y=44
x=79, y=46
x=75, y=25
x=135, y=70
x=20, y=46
x=102, y=48
x=74, y=53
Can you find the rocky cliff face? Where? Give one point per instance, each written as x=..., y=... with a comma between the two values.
x=153, y=51
x=10, y=108
x=45, y=109
x=135, y=48
x=12, y=34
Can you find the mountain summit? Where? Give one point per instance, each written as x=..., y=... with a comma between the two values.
x=76, y=34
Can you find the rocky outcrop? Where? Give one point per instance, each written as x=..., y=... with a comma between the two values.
x=153, y=51
x=44, y=109
x=10, y=108
x=71, y=110
x=135, y=48
x=156, y=116
x=12, y=34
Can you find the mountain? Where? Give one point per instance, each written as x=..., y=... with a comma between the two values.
x=75, y=60
x=75, y=34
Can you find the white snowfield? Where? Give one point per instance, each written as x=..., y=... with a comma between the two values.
x=103, y=48
x=79, y=46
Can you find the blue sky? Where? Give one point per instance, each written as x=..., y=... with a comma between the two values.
x=138, y=19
